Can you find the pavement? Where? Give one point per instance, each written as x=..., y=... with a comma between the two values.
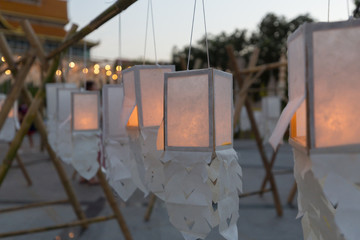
x=258, y=219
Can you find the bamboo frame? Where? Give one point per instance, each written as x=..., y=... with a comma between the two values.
x=243, y=83
x=33, y=115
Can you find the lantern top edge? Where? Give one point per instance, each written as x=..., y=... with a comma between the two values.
x=107, y=86
x=197, y=72
x=138, y=67
x=310, y=27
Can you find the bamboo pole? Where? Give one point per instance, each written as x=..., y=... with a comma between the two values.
x=65, y=225
x=34, y=205
x=150, y=207
x=5, y=50
x=272, y=162
x=106, y=15
x=292, y=194
x=256, y=132
x=268, y=66
x=109, y=196
x=23, y=170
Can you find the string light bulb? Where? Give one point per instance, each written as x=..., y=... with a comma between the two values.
x=96, y=71
x=118, y=68
x=85, y=70
x=108, y=73
x=58, y=72
x=71, y=64
x=8, y=72
x=114, y=77
x=2, y=59
x=107, y=67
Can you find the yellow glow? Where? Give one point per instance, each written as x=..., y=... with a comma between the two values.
x=58, y=72
x=8, y=72
x=3, y=59
x=107, y=67
x=108, y=73
x=71, y=64
x=96, y=71
x=114, y=77
x=118, y=68
x=85, y=70
x=133, y=120
x=71, y=235
x=97, y=66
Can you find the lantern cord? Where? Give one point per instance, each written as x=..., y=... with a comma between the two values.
x=84, y=64
x=150, y=8
x=328, y=10
x=191, y=35
x=120, y=62
x=206, y=37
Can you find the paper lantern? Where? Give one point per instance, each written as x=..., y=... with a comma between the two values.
x=63, y=123
x=323, y=85
x=202, y=175
x=85, y=111
x=323, y=109
x=8, y=130
x=116, y=143
x=85, y=132
x=142, y=114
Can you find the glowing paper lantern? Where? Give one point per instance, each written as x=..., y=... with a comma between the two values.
x=202, y=175
x=119, y=163
x=86, y=132
x=325, y=132
x=142, y=115
x=8, y=130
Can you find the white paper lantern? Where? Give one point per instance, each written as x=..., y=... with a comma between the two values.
x=86, y=132
x=325, y=132
x=202, y=175
x=119, y=163
x=63, y=123
x=8, y=130
x=142, y=115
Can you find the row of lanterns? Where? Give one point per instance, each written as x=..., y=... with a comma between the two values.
x=164, y=132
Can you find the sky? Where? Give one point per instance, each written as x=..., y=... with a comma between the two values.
x=173, y=19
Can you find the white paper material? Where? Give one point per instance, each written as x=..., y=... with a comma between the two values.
x=119, y=165
x=86, y=146
x=8, y=130
x=64, y=144
x=285, y=118
x=270, y=111
x=202, y=192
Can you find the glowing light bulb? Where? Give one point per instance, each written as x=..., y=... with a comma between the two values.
x=108, y=73
x=8, y=72
x=58, y=72
x=2, y=59
x=71, y=64
x=114, y=77
x=97, y=66
x=85, y=70
x=118, y=68
x=96, y=71
x=107, y=67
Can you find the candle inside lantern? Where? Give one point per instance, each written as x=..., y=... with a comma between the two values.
x=85, y=111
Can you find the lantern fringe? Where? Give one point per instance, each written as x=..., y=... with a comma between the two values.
x=118, y=165
x=202, y=192
x=86, y=146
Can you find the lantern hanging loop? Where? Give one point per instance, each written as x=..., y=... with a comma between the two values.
x=120, y=61
x=191, y=35
x=150, y=8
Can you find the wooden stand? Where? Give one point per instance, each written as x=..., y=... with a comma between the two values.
x=242, y=99
x=33, y=115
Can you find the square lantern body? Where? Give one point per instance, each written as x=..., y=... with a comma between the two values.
x=323, y=66
x=198, y=110
x=63, y=108
x=113, y=96
x=85, y=111
x=51, y=96
x=144, y=92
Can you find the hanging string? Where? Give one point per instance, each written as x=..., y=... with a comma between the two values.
x=206, y=37
x=191, y=35
x=153, y=28
x=150, y=8
x=84, y=71
x=328, y=10
x=120, y=61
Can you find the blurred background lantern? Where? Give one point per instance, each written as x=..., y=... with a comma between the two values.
x=142, y=114
x=116, y=143
x=202, y=175
x=85, y=126
x=323, y=79
x=63, y=123
x=7, y=132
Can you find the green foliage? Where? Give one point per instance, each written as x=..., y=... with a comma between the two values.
x=356, y=11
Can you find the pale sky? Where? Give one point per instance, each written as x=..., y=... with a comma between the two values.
x=173, y=18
